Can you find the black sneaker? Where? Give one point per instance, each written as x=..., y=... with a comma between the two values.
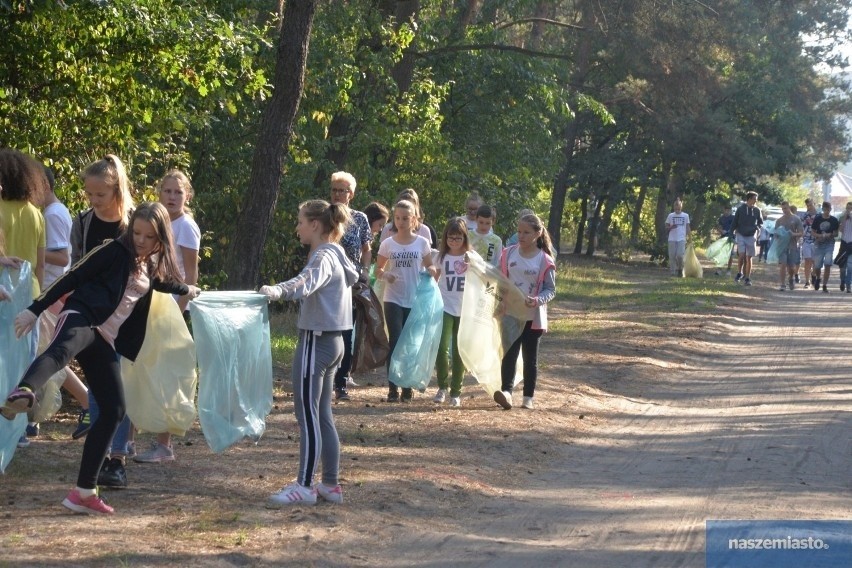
x=816, y=284
x=393, y=396
x=84, y=424
x=341, y=394
x=796, y=278
x=406, y=395
x=842, y=286
x=112, y=474
x=825, y=289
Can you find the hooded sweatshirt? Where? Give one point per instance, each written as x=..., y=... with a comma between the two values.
x=323, y=287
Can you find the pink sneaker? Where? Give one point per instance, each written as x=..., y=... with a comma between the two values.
x=331, y=493
x=88, y=505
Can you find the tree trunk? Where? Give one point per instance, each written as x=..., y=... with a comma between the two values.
x=636, y=221
x=468, y=11
x=581, y=226
x=606, y=219
x=543, y=9
x=578, y=78
x=672, y=188
x=594, y=225
x=276, y=130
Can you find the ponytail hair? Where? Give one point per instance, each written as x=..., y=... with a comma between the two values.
x=334, y=217
x=165, y=268
x=112, y=171
x=411, y=208
x=543, y=241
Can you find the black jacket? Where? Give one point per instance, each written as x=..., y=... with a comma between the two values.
x=97, y=285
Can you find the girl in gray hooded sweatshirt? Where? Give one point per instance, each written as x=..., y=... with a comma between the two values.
x=323, y=287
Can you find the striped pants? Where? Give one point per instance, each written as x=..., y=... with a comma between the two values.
x=318, y=356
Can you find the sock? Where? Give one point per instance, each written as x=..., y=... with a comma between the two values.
x=86, y=493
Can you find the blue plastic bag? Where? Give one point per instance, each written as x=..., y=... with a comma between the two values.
x=14, y=353
x=780, y=242
x=234, y=356
x=415, y=351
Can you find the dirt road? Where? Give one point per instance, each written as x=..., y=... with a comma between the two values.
x=648, y=424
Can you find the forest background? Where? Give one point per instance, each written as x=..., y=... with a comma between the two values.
x=596, y=114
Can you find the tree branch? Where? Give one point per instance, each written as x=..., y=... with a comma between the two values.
x=540, y=20
x=492, y=46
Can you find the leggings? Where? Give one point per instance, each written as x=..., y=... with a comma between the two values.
x=317, y=357
x=448, y=350
x=528, y=344
x=74, y=337
x=395, y=318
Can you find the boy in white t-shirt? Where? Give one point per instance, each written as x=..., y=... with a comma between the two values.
x=483, y=240
x=677, y=225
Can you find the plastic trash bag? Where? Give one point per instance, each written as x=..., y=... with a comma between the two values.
x=691, y=267
x=371, y=348
x=14, y=354
x=780, y=242
x=50, y=395
x=493, y=317
x=414, y=355
x=159, y=387
x=234, y=365
x=720, y=251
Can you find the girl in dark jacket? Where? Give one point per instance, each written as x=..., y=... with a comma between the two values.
x=105, y=315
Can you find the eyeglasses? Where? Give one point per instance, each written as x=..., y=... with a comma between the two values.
x=455, y=238
x=338, y=191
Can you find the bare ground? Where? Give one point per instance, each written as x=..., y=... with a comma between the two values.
x=648, y=424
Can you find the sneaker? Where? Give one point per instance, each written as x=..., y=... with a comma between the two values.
x=842, y=286
x=455, y=401
x=350, y=382
x=782, y=288
x=89, y=505
x=817, y=282
x=332, y=494
x=32, y=430
x=19, y=400
x=157, y=454
x=747, y=281
x=528, y=403
x=112, y=474
x=393, y=396
x=23, y=442
x=440, y=396
x=84, y=424
x=341, y=394
x=406, y=395
x=806, y=286
x=825, y=289
x=504, y=399
x=790, y=283
x=293, y=494
x=738, y=277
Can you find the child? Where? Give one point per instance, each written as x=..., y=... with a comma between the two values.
x=107, y=188
x=529, y=265
x=513, y=240
x=323, y=286
x=377, y=215
x=423, y=229
x=398, y=263
x=104, y=316
x=175, y=191
x=451, y=276
x=472, y=205
x=483, y=240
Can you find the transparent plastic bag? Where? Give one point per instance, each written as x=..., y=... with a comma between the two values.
x=14, y=353
x=234, y=365
x=691, y=267
x=780, y=242
x=720, y=251
x=493, y=317
x=50, y=395
x=414, y=355
x=159, y=387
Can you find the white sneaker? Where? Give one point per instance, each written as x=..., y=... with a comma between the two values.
x=440, y=396
x=331, y=493
x=455, y=401
x=528, y=403
x=157, y=454
x=293, y=494
x=350, y=382
x=504, y=399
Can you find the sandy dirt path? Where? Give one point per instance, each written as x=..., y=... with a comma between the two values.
x=748, y=419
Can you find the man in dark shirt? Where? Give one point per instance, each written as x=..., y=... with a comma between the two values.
x=747, y=223
x=824, y=231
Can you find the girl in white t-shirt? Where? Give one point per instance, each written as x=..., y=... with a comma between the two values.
x=400, y=259
x=531, y=268
x=175, y=191
x=452, y=270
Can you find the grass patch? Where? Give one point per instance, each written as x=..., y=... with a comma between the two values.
x=283, y=337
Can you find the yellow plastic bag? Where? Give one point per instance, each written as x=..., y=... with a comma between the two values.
x=493, y=316
x=691, y=267
x=159, y=387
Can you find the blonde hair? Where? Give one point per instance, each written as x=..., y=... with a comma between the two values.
x=412, y=210
x=347, y=177
x=166, y=266
x=184, y=183
x=334, y=217
x=111, y=170
x=411, y=196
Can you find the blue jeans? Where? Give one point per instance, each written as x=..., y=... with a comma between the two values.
x=846, y=267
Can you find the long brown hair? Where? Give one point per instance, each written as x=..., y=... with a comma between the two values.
x=455, y=226
x=543, y=242
x=166, y=267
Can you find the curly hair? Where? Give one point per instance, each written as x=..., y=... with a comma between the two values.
x=21, y=177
